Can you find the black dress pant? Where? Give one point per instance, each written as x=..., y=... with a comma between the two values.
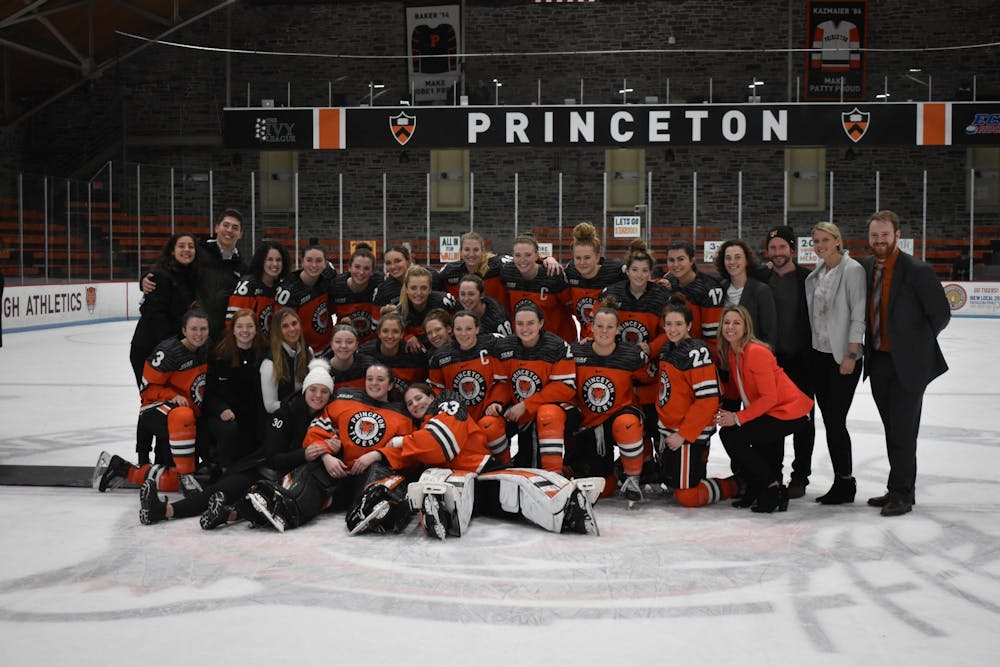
x=798, y=368
x=757, y=447
x=899, y=407
x=834, y=395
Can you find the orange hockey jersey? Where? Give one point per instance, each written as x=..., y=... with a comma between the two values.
x=535, y=375
x=312, y=305
x=255, y=295
x=173, y=370
x=550, y=293
x=585, y=293
x=468, y=373
x=689, y=391
x=604, y=384
x=448, y=438
x=362, y=423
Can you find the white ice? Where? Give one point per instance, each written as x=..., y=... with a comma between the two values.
x=84, y=583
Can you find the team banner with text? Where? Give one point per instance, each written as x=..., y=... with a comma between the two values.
x=836, y=36
x=434, y=33
x=627, y=126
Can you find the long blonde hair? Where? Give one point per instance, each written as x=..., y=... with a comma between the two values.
x=747, y=338
x=484, y=263
x=281, y=373
x=415, y=271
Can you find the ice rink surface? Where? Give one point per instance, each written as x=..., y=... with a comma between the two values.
x=83, y=583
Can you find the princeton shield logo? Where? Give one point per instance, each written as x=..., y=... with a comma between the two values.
x=855, y=123
x=91, y=299
x=402, y=127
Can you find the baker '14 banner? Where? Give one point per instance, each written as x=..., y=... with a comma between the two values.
x=435, y=34
x=836, y=36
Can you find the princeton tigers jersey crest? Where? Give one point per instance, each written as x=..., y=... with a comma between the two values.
x=604, y=384
x=469, y=374
x=361, y=422
x=355, y=308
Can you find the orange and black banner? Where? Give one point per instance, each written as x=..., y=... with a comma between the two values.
x=836, y=36
x=616, y=126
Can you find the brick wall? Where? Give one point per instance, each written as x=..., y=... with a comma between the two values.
x=172, y=93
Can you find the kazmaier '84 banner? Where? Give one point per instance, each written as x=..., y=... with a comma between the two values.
x=836, y=36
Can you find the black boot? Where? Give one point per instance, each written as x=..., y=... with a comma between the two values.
x=841, y=492
x=770, y=499
x=747, y=494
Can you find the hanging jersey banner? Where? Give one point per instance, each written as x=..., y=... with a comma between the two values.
x=433, y=35
x=836, y=36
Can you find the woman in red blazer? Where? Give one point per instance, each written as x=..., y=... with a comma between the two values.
x=773, y=407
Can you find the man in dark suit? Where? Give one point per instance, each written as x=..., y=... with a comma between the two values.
x=907, y=309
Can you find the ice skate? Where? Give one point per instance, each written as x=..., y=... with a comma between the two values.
x=152, y=508
x=631, y=491
x=217, y=513
x=189, y=485
x=260, y=504
x=373, y=507
x=110, y=472
x=432, y=516
x=578, y=515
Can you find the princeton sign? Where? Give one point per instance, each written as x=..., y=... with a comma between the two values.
x=627, y=126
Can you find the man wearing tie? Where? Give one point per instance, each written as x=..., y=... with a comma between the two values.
x=907, y=309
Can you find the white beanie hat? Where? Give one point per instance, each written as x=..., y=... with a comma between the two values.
x=319, y=373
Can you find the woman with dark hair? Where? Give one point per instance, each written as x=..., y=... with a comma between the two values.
x=468, y=366
x=537, y=376
x=773, y=407
x=588, y=274
x=286, y=363
x=686, y=407
x=703, y=291
x=493, y=317
x=307, y=291
x=352, y=293
x=737, y=264
x=234, y=407
x=606, y=372
x=176, y=276
x=388, y=349
x=640, y=303
x=527, y=282
x=450, y=493
x=172, y=392
x=256, y=290
x=437, y=328
x=353, y=429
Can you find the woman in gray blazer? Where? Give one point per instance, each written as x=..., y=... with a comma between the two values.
x=835, y=295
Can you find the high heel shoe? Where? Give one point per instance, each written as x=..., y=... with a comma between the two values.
x=841, y=492
x=770, y=499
